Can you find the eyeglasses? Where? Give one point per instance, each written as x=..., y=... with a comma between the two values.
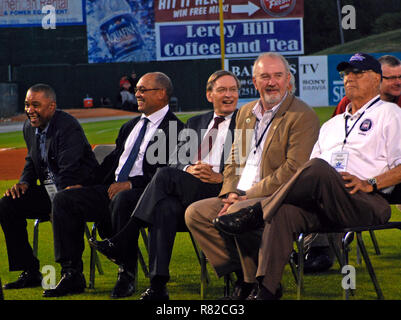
x=222, y=90
x=143, y=90
x=392, y=78
x=357, y=72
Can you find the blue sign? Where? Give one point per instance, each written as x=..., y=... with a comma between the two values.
x=243, y=38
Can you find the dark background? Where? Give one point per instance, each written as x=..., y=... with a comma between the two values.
x=59, y=57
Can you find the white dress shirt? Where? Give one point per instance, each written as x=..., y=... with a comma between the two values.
x=214, y=156
x=251, y=173
x=154, y=121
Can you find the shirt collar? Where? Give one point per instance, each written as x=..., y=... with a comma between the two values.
x=348, y=114
x=43, y=132
x=225, y=117
x=257, y=109
x=157, y=116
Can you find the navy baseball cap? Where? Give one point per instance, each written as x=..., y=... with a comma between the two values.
x=361, y=61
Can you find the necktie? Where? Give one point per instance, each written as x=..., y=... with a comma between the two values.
x=209, y=138
x=126, y=169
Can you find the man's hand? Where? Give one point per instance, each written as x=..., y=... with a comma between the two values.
x=205, y=173
x=231, y=198
x=356, y=184
x=117, y=187
x=16, y=190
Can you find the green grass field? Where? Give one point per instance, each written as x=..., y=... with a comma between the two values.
x=185, y=270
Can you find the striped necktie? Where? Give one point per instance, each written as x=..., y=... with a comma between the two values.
x=209, y=138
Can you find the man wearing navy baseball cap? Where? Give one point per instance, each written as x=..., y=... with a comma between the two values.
x=359, y=63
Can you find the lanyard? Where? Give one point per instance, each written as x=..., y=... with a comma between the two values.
x=264, y=132
x=347, y=133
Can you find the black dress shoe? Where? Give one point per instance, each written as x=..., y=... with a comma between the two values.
x=125, y=285
x=71, y=282
x=318, y=259
x=244, y=220
x=155, y=295
x=262, y=293
x=27, y=279
x=108, y=249
x=241, y=291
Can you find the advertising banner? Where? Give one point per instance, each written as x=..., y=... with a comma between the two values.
x=28, y=13
x=201, y=39
x=313, y=80
x=120, y=30
x=195, y=10
x=190, y=29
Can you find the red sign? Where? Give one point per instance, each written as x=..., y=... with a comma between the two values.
x=195, y=10
x=278, y=8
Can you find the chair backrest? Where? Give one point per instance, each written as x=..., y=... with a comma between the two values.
x=102, y=150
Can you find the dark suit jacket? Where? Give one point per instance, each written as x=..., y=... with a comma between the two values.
x=167, y=143
x=69, y=153
x=199, y=123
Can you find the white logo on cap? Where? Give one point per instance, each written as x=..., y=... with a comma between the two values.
x=357, y=57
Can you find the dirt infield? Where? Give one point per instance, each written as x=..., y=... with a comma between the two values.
x=12, y=160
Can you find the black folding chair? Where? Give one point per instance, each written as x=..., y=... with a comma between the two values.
x=94, y=259
x=342, y=253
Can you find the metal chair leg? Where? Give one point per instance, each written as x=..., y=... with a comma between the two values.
x=346, y=241
x=293, y=266
x=335, y=248
x=94, y=261
x=369, y=266
x=35, y=241
x=300, y=284
x=97, y=260
x=204, y=275
x=228, y=280
x=374, y=241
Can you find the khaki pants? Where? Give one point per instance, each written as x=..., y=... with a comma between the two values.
x=225, y=253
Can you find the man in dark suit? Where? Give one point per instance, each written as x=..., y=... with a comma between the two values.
x=60, y=156
x=172, y=189
x=123, y=175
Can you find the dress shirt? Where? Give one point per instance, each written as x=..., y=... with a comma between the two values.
x=214, y=156
x=255, y=154
x=154, y=121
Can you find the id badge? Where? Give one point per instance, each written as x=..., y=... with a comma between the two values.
x=50, y=186
x=339, y=161
x=51, y=190
x=247, y=177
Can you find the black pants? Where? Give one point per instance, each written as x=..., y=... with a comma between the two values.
x=162, y=208
x=74, y=207
x=34, y=204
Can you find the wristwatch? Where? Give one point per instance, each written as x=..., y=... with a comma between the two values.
x=373, y=183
